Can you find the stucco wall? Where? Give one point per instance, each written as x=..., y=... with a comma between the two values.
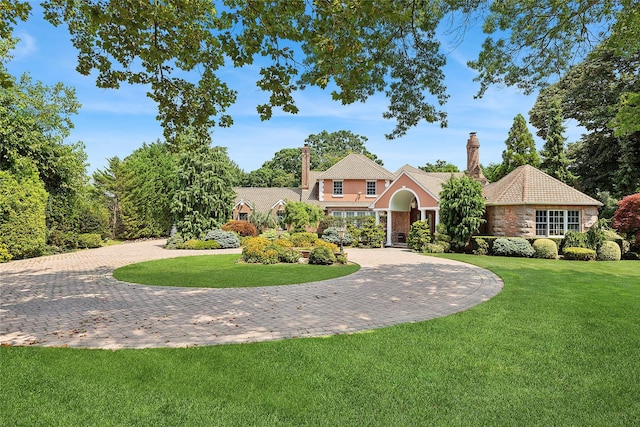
x=350, y=190
x=520, y=220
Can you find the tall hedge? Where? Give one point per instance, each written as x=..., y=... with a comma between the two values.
x=23, y=201
x=461, y=209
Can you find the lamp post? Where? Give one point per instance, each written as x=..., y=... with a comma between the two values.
x=341, y=231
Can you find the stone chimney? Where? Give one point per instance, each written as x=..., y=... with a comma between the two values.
x=473, y=159
x=306, y=166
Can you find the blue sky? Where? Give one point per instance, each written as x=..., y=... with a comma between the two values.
x=116, y=122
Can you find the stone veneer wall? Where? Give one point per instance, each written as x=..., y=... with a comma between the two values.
x=520, y=220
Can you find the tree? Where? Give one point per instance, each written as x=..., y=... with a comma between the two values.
x=554, y=158
x=22, y=210
x=300, y=215
x=627, y=217
x=461, y=209
x=269, y=177
x=440, y=166
x=590, y=94
x=355, y=48
x=521, y=148
x=204, y=198
x=492, y=171
x=109, y=185
x=328, y=148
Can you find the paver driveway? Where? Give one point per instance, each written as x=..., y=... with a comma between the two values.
x=73, y=300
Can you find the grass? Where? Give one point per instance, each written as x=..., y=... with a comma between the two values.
x=222, y=271
x=560, y=345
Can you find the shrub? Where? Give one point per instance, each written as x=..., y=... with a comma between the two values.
x=5, y=256
x=631, y=256
x=419, y=236
x=254, y=248
x=273, y=234
x=341, y=259
x=175, y=242
x=575, y=239
x=545, y=248
x=579, y=254
x=284, y=243
x=608, y=251
x=189, y=244
x=331, y=235
x=371, y=235
x=433, y=248
x=512, y=246
x=89, y=240
x=226, y=239
x=303, y=239
x=321, y=255
x=331, y=246
x=65, y=240
x=627, y=218
x=288, y=255
x=461, y=209
x=242, y=228
x=270, y=255
x=480, y=246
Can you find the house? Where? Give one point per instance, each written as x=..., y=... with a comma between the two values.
x=527, y=202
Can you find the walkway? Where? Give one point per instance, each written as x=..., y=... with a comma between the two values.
x=73, y=300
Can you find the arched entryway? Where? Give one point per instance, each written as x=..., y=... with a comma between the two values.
x=404, y=209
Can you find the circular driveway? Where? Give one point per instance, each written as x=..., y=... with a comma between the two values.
x=73, y=300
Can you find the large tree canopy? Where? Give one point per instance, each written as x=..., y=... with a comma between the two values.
x=178, y=47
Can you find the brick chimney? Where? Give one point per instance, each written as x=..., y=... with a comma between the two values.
x=306, y=166
x=473, y=159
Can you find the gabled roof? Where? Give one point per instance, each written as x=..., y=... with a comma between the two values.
x=444, y=176
x=356, y=166
x=262, y=199
x=527, y=185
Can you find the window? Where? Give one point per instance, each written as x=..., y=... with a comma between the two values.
x=243, y=216
x=337, y=188
x=371, y=188
x=280, y=215
x=556, y=222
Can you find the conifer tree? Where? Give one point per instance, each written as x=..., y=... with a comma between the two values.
x=521, y=148
x=554, y=157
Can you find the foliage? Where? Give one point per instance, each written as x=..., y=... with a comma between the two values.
x=264, y=251
x=419, y=236
x=545, y=248
x=554, y=157
x=269, y=177
x=321, y=243
x=175, y=242
x=204, y=197
x=328, y=148
x=521, y=148
x=322, y=255
x=440, y=166
x=22, y=211
x=579, y=254
x=300, y=215
x=273, y=234
x=371, y=235
x=193, y=244
x=461, y=209
x=226, y=239
x=575, y=239
x=513, y=246
x=589, y=94
x=243, y=228
x=147, y=186
x=608, y=251
x=89, y=240
x=331, y=235
x=303, y=239
x=5, y=256
x=609, y=205
x=480, y=246
x=492, y=171
x=627, y=217
x=263, y=220
x=433, y=248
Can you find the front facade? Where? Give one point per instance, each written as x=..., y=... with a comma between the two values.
x=526, y=203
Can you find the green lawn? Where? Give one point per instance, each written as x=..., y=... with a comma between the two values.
x=560, y=345
x=222, y=271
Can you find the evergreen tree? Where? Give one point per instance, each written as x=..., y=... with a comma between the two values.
x=204, y=198
x=554, y=157
x=461, y=209
x=521, y=148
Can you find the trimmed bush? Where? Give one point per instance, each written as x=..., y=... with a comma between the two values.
x=284, y=243
x=321, y=255
x=371, y=235
x=89, y=240
x=5, y=256
x=342, y=259
x=226, y=239
x=331, y=235
x=579, y=254
x=254, y=249
x=303, y=239
x=288, y=255
x=419, y=236
x=512, y=246
x=608, y=251
x=545, y=248
x=480, y=246
x=242, y=228
x=433, y=248
x=174, y=242
x=332, y=247
x=272, y=234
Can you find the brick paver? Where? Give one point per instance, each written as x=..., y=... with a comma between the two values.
x=73, y=300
